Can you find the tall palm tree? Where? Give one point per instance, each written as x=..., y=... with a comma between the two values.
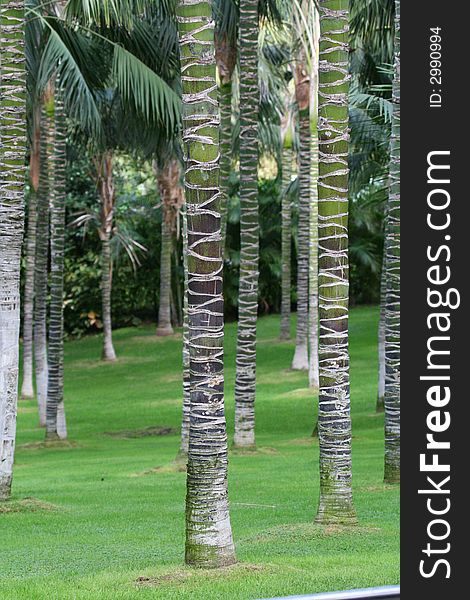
x=286, y=216
x=392, y=268
x=12, y=162
x=55, y=413
x=42, y=259
x=208, y=531
x=245, y=381
x=381, y=338
x=225, y=13
x=107, y=193
x=334, y=418
x=302, y=94
x=27, y=388
x=171, y=199
x=184, y=444
x=313, y=366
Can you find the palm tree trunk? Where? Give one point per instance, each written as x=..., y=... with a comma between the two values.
x=245, y=382
x=27, y=388
x=208, y=531
x=392, y=266
x=225, y=56
x=302, y=85
x=313, y=367
x=41, y=268
x=286, y=242
x=55, y=415
x=334, y=418
x=381, y=338
x=186, y=357
x=12, y=158
x=107, y=196
x=168, y=179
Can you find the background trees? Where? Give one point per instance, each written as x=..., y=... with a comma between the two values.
x=109, y=145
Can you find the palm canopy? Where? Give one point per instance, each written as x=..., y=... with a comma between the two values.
x=96, y=47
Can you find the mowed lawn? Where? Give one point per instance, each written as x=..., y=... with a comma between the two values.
x=103, y=516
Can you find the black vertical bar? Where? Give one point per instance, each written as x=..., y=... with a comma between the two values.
x=434, y=119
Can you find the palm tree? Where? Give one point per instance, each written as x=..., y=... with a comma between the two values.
x=245, y=381
x=392, y=268
x=208, y=531
x=226, y=59
x=12, y=173
x=287, y=135
x=302, y=93
x=55, y=414
x=381, y=339
x=171, y=199
x=184, y=444
x=42, y=259
x=107, y=74
x=313, y=366
x=27, y=389
x=334, y=419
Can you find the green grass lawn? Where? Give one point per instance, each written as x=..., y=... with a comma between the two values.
x=103, y=517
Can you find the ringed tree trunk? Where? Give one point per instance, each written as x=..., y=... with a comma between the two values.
x=55, y=414
x=313, y=366
x=27, y=388
x=208, y=531
x=302, y=93
x=381, y=335
x=186, y=356
x=392, y=267
x=245, y=381
x=12, y=173
x=104, y=169
x=226, y=57
x=42, y=259
x=334, y=418
x=286, y=226
x=171, y=197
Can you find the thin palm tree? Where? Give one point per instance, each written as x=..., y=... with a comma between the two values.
x=225, y=13
x=334, y=418
x=42, y=258
x=171, y=199
x=313, y=365
x=27, y=388
x=302, y=94
x=208, y=530
x=287, y=135
x=245, y=380
x=12, y=173
x=392, y=268
x=55, y=413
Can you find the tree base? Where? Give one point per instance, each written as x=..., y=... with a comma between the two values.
x=244, y=441
x=209, y=557
x=332, y=514
x=164, y=330
x=5, y=488
x=392, y=474
x=300, y=360
x=110, y=358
